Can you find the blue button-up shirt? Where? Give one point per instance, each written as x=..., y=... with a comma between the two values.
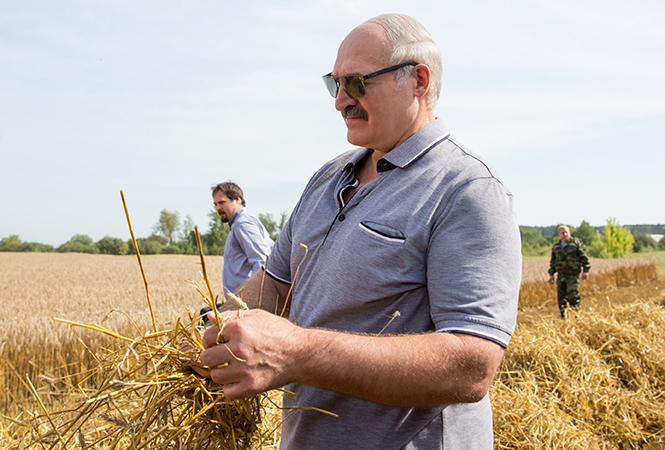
x=245, y=251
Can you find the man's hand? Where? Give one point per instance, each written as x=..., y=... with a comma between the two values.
x=585, y=275
x=253, y=353
x=258, y=351
x=551, y=280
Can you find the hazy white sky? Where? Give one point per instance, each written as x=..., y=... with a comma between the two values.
x=163, y=99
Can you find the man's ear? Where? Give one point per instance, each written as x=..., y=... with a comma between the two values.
x=423, y=77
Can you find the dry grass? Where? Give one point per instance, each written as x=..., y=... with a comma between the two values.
x=121, y=385
x=593, y=381
x=100, y=289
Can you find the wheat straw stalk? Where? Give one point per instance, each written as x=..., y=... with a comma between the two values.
x=204, y=271
x=138, y=256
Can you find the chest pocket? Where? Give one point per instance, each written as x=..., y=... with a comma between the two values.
x=383, y=233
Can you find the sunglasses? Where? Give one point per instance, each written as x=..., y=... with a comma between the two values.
x=354, y=85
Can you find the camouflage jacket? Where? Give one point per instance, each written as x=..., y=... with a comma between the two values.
x=569, y=259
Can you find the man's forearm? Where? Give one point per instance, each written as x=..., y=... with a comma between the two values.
x=262, y=351
x=410, y=370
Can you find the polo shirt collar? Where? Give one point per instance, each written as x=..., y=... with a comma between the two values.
x=417, y=145
x=356, y=157
x=408, y=151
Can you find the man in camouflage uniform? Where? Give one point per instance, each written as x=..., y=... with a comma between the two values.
x=569, y=257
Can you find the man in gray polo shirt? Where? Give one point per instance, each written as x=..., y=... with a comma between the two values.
x=403, y=256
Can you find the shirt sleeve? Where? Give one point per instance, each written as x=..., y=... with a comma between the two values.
x=474, y=264
x=584, y=257
x=552, y=270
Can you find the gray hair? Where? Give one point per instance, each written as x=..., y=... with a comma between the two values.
x=410, y=41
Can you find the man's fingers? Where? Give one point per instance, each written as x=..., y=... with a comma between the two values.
x=235, y=391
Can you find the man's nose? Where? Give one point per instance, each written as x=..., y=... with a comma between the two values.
x=343, y=100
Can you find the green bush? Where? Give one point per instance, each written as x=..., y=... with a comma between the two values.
x=643, y=242
x=618, y=240
x=153, y=245
x=13, y=243
x=598, y=249
x=79, y=243
x=533, y=242
x=112, y=246
x=180, y=248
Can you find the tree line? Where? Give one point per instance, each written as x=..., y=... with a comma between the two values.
x=610, y=241
x=170, y=235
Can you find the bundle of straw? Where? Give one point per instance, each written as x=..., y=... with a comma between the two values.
x=148, y=395
x=149, y=398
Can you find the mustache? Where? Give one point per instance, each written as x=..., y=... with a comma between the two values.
x=354, y=112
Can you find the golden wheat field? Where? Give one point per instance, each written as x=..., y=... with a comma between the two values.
x=593, y=381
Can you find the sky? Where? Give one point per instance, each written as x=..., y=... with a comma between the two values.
x=164, y=99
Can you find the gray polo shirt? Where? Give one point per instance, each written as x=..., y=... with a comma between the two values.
x=433, y=237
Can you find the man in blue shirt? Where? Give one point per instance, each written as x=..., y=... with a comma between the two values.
x=248, y=243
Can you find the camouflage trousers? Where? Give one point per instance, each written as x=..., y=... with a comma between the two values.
x=567, y=292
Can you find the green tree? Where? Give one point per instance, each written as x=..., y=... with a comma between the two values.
x=187, y=229
x=12, y=243
x=598, y=248
x=152, y=245
x=617, y=239
x=271, y=225
x=37, y=247
x=643, y=242
x=181, y=248
x=167, y=226
x=661, y=243
x=213, y=241
x=533, y=242
x=112, y=246
x=79, y=243
x=585, y=232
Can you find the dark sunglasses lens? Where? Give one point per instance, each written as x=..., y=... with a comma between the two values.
x=331, y=84
x=353, y=85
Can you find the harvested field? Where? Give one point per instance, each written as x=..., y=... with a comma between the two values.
x=593, y=381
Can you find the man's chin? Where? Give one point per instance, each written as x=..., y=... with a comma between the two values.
x=356, y=137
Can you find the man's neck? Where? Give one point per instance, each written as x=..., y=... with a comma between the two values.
x=418, y=124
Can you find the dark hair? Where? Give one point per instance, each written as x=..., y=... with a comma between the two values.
x=231, y=190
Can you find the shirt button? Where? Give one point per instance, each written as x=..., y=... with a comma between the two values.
x=342, y=217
